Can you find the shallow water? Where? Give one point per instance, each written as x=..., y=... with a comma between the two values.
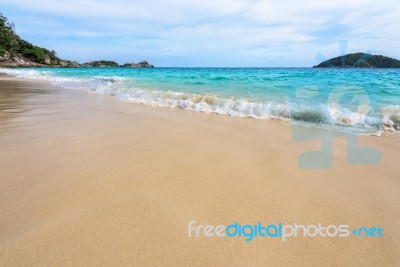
x=344, y=100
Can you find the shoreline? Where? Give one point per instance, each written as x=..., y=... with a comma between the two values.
x=94, y=181
x=242, y=107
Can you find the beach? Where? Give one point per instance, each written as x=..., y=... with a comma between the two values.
x=89, y=181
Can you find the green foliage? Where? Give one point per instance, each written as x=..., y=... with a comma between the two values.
x=35, y=54
x=7, y=35
x=360, y=60
x=11, y=42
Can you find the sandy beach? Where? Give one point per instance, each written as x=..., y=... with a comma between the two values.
x=89, y=181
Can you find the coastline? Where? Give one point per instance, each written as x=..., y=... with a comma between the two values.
x=93, y=181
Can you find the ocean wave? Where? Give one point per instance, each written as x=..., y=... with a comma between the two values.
x=331, y=116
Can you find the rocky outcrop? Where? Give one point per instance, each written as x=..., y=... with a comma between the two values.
x=143, y=64
x=8, y=61
x=47, y=60
x=5, y=57
x=69, y=64
x=100, y=64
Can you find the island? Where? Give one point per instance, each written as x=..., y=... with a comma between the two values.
x=360, y=60
x=16, y=52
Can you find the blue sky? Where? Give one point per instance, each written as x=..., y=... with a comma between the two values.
x=206, y=33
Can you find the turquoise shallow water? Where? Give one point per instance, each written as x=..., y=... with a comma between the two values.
x=346, y=100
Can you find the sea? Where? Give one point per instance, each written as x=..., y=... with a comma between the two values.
x=360, y=101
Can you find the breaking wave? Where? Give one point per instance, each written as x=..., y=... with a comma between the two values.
x=330, y=116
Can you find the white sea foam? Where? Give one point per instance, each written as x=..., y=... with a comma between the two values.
x=323, y=115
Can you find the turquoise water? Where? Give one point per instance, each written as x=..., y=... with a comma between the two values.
x=367, y=100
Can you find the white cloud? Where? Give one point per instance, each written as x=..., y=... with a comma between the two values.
x=208, y=31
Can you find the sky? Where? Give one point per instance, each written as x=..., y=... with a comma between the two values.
x=208, y=33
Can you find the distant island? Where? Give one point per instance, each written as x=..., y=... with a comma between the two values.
x=16, y=52
x=106, y=63
x=360, y=60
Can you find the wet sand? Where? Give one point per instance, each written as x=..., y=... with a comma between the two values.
x=88, y=181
